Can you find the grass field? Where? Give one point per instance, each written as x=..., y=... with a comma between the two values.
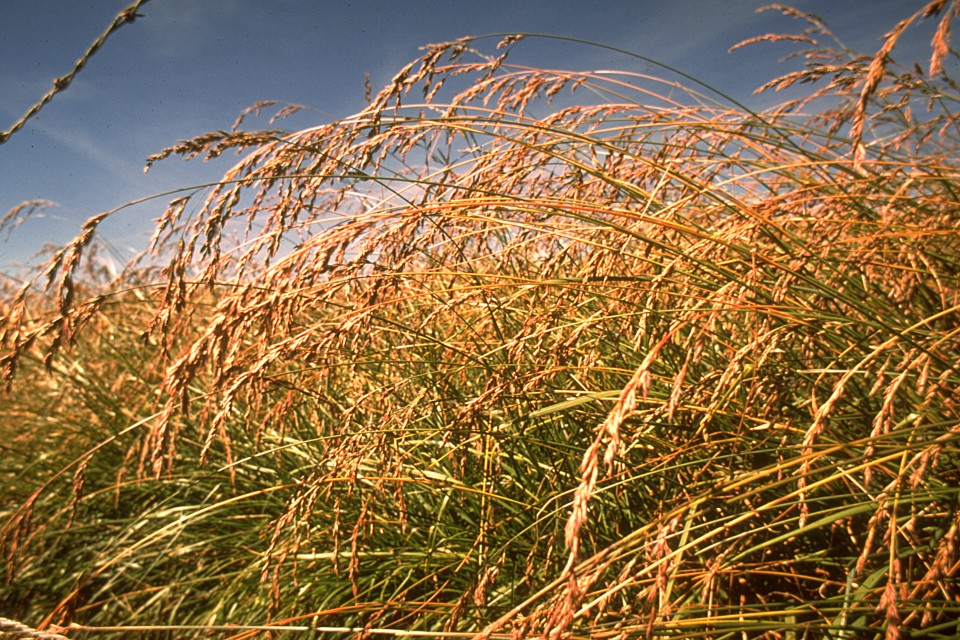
x=581, y=355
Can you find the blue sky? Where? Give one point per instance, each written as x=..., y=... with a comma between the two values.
x=190, y=66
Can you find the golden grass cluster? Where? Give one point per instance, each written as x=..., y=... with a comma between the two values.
x=515, y=352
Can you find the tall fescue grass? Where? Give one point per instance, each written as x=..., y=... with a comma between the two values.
x=515, y=351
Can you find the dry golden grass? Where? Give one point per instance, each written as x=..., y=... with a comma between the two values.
x=515, y=351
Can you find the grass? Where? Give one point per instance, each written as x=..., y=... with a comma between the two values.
x=514, y=352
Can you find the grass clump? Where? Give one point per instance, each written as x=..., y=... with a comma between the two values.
x=514, y=351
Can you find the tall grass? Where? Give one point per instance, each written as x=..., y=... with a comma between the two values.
x=514, y=351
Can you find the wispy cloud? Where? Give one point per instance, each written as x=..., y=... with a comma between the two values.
x=84, y=143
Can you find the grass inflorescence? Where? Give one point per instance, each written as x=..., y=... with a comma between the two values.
x=514, y=351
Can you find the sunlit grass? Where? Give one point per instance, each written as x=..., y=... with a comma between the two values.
x=576, y=354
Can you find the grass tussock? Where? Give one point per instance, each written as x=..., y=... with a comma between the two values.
x=515, y=351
